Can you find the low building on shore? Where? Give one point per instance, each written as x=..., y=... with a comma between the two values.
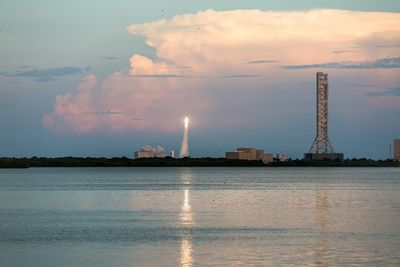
x=249, y=153
x=150, y=152
x=323, y=156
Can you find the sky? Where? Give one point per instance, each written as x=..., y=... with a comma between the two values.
x=104, y=78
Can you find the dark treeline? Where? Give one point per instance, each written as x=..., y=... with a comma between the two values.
x=13, y=163
x=363, y=162
x=185, y=162
x=123, y=162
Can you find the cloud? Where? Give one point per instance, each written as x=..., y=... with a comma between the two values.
x=5, y=31
x=388, y=45
x=240, y=76
x=261, y=61
x=362, y=85
x=110, y=58
x=214, y=45
x=123, y=102
x=156, y=75
x=385, y=63
x=142, y=66
x=341, y=51
x=395, y=91
x=46, y=75
x=227, y=36
x=25, y=67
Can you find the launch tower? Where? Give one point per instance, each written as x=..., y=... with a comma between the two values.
x=322, y=147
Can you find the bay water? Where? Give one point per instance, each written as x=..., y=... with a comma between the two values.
x=200, y=217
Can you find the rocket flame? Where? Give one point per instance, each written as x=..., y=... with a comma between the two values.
x=185, y=142
x=186, y=122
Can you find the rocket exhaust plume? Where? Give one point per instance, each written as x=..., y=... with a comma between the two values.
x=185, y=142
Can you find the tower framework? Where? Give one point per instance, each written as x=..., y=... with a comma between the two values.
x=322, y=147
x=321, y=142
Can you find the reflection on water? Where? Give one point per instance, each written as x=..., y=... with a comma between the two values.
x=322, y=224
x=185, y=221
x=186, y=251
x=186, y=216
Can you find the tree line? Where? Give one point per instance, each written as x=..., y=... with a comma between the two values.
x=184, y=162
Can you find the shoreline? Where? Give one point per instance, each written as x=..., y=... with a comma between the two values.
x=6, y=162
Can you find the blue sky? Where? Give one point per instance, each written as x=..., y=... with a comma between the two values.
x=50, y=49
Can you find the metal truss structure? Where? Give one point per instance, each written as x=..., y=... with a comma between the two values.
x=321, y=142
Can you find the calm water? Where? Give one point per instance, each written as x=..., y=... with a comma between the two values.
x=200, y=216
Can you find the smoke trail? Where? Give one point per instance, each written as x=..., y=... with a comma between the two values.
x=185, y=142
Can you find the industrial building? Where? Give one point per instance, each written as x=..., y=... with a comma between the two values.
x=247, y=153
x=396, y=149
x=322, y=147
x=323, y=156
x=150, y=152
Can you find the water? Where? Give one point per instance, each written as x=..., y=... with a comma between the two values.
x=200, y=216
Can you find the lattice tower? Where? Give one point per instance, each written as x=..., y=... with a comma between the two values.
x=321, y=142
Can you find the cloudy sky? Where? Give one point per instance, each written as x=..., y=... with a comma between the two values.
x=103, y=78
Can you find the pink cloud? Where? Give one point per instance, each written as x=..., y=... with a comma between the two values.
x=144, y=66
x=215, y=41
x=122, y=102
x=154, y=95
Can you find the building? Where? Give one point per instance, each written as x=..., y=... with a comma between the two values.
x=265, y=157
x=248, y=153
x=150, y=152
x=144, y=154
x=281, y=156
x=322, y=147
x=323, y=156
x=396, y=149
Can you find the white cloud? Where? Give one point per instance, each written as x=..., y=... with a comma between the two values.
x=154, y=96
x=212, y=41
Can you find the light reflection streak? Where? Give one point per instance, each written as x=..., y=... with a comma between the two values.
x=186, y=216
x=185, y=221
x=186, y=259
x=322, y=225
